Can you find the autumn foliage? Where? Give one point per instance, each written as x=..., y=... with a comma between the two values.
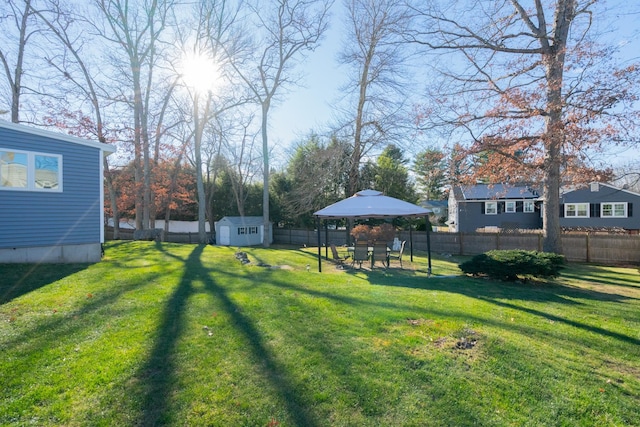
x=175, y=195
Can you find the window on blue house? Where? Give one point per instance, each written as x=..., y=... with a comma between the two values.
x=510, y=207
x=28, y=171
x=528, y=206
x=491, y=208
x=576, y=210
x=613, y=210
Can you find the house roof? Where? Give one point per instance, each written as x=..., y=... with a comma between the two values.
x=108, y=149
x=371, y=204
x=571, y=189
x=494, y=192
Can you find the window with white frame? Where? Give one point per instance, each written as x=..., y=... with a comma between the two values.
x=528, y=206
x=613, y=210
x=510, y=207
x=30, y=171
x=576, y=210
x=247, y=230
x=491, y=208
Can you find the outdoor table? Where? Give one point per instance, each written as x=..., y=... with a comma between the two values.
x=351, y=249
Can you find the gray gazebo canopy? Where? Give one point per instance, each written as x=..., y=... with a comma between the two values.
x=371, y=204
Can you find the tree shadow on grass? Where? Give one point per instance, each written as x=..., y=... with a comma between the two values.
x=600, y=276
x=499, y=293
x=158, y=374
x=534, y=291
x=20, y=279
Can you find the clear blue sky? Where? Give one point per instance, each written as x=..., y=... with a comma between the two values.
x=308, y=107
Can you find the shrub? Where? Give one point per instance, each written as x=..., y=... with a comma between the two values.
x=361, y=232
x=383, y=233
x=508, y=265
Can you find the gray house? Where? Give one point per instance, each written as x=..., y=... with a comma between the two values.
x=440, y=208
x=599, y=205
x=493, y=207
x=241, y=231
x=51, y=196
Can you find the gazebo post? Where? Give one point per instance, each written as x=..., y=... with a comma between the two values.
x=428, y=227
x=411, y=239
x=319, y=249
x=326, y=240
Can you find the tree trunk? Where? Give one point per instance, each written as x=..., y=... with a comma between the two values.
x=265, y=182
x=113, y=199
x=554, y=60
x=202, y=199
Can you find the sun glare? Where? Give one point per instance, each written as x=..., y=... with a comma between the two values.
x=199, y=72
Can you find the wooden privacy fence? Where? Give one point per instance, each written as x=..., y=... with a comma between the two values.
x=583, y=247
x=580, y=247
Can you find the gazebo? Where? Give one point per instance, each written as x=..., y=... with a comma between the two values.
x=371, y=204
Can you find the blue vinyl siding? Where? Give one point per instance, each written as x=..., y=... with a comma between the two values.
x=471, y=216
x=605, y=194
x=40, y=218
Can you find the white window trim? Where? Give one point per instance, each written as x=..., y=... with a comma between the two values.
x=486, y=208
x=31, y=171
x=613, y=211
x=510, y=206
x=532, y=205
x=577, y=208
x=247, y=230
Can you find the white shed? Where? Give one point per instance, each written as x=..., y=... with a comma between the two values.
x=241, y=231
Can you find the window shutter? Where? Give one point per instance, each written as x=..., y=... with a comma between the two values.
x=595, y=210
x=500, y=207
x=482, y=208
x=629, y=210
x=561, y=213
x=519, y=206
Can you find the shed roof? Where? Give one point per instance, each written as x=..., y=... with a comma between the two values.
x=243, y=221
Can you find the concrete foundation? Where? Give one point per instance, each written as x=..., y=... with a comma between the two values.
x=67, y=254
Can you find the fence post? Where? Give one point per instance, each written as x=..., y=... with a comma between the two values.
x=588, y=241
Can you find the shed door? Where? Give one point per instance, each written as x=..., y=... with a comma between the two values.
x=223, y=238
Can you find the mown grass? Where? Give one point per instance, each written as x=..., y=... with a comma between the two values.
x=166, y=334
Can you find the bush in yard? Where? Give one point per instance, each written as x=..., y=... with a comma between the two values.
x=509, y=264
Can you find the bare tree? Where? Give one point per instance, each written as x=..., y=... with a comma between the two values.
x=15, y=20
x=76, y=75
x=528, y=87
x=135, y=33
x=286, y=30
x=377, y=59
x=240, y=148
x=208, y=40
x=628, y=175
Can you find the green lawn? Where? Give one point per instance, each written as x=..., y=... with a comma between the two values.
x=167, y=334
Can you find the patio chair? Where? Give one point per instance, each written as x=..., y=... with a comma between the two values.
x=360, y=253
x=380, y=253
x=337, y=258
x=398, y=255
